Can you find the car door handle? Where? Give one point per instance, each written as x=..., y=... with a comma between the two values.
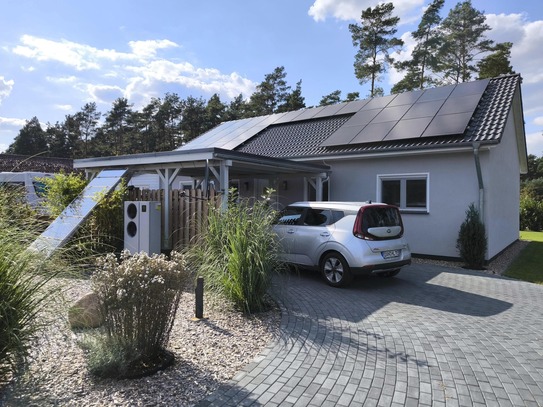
x=290, y=231
x=325, y=234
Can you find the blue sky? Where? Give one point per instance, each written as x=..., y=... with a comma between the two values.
x=57, y=55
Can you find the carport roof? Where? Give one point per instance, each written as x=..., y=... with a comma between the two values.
x=193, y=163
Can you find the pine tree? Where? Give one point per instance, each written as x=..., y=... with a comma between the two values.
x=464, y=39
x=375, y=40
x=498, y=63
x=423, y=58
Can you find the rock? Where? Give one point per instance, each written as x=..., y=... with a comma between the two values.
x=85, y=313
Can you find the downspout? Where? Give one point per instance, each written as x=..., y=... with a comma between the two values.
x=480, y=180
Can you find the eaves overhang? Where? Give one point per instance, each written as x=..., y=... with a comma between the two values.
x=193, y=162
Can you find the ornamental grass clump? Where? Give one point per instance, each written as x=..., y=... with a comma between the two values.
x=139, y=297
x=24, y=282
x=237, y=254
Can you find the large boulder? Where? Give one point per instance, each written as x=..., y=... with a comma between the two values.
x=85, y=313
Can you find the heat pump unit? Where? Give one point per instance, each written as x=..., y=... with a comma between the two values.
x=142, y=226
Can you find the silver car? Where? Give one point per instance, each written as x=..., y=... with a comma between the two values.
x=343, y=239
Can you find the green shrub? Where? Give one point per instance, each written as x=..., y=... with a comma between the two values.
x=61, y=190
x=237, y=253
x=531, y=212
x=471, y=242
x=139, y=298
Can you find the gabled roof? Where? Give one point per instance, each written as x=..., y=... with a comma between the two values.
x=448, y=116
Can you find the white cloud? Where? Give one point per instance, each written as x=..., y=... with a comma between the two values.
x=526, y=36
x=534, y=143
x=208, y=80
x=66, y=108
x=538, y=121
x=104, y=93
x=7, y=121
x=136, y=75
x=83, y=57
x=148, y=49
x=5, y=88
x=352, y=9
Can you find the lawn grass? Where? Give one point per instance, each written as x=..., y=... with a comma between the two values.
x=528, y=266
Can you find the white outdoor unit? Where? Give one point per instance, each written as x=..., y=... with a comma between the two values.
x=142, y=226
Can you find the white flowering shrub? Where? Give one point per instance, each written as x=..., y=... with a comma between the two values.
x=139, y=297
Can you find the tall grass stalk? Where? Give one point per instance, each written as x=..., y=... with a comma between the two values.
x=24, y=278
x=237, y=253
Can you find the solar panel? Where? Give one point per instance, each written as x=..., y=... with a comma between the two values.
x=309, y=113
x=63, y=227
x=373, y=132
x=330, y=110
x=423, y=109
x=436, y=93
x=460, y=104
x=288, y=116
x=410, y=128
x=246, y=126
x=342, y=136
x=389, y=114
x=353, y=107
x=207, y=139
x=363, y=117
x=406, y=98
x=379, y=102
x=448, y=124
x=470, y=88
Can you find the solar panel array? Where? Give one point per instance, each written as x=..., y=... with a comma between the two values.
x=63, y=227
x=432, y=112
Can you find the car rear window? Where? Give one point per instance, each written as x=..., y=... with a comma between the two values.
x=382, y=216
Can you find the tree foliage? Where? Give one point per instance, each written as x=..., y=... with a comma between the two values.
x=498, y=63
x=31, y=139
x=162, y=125
x=375, y=40
x=424, y=56
x=464, y=39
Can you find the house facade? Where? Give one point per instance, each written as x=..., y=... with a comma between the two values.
x=431, y=152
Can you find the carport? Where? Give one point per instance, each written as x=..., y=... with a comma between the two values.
x=206, y=165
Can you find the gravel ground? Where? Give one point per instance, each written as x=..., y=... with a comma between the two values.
x=496, y=266
x=208, y=353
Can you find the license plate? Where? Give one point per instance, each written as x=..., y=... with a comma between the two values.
x=390, y=254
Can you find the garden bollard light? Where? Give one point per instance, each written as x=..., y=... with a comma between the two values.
x=199, y=297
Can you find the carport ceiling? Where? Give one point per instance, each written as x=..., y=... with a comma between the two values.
x=193, y=163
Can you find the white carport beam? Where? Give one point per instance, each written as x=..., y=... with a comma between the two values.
x=167, y=175
x=317, y=184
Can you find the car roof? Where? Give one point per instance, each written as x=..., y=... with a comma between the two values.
x=335, y=204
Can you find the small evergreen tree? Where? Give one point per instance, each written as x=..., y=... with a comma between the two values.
x=472, y=242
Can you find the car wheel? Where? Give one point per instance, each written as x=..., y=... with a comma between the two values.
x=388, y=274
x=335, y=269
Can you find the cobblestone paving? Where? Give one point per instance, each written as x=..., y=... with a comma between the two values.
x=432, y=336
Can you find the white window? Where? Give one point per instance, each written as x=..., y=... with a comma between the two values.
x=409, y=192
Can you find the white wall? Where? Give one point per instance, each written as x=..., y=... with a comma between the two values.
x=501, y=173
x=452, y=187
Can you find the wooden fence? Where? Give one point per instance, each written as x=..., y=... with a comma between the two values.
x=188, y=212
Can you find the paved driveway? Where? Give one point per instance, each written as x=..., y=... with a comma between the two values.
x=432, y=336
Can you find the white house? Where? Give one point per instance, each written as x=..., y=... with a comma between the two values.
x=431, y=152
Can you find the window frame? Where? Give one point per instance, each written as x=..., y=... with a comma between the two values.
x=403, y=178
